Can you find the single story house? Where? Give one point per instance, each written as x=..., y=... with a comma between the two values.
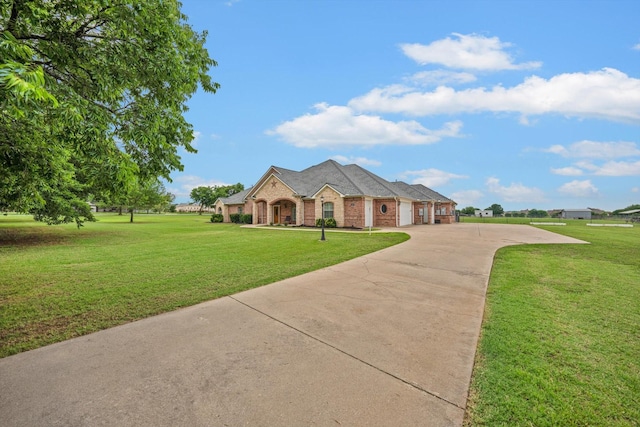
x=191, y=207
x=350, y=194
x=576, y=214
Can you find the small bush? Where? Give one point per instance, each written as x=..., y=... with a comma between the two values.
x=217, y=218
x=246, y=219
x=328, y=223
x=235, y=218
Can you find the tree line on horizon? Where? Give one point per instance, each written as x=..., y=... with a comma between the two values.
x=532, y=213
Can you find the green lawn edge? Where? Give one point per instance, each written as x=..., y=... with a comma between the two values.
x=560, y=340
x=60, y=282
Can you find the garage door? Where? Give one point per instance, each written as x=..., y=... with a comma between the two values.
x=405, y=213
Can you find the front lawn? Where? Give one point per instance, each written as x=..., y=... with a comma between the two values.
x=560, y=342
x=58, y=282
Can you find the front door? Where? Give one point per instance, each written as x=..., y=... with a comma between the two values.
x=276, y=214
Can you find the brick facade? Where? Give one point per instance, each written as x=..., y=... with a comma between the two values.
x=273, y=199
x=309, y=213
x=279, y=202
x=417, y=218
x=354, y=213
x=331, y=196
x=387, y=219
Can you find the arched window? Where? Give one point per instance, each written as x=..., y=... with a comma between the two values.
x=383, y=208
x=328, y=210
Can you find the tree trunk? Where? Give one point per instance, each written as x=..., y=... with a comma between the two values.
x=131, y=218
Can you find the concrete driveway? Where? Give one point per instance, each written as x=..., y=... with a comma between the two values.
x=387, y=339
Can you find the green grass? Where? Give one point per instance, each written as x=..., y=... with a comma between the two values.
x=560, y=342
x=58, y=282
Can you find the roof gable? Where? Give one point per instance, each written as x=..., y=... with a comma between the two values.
x=349, y=180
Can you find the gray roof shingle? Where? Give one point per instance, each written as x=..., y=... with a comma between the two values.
x=352, y=180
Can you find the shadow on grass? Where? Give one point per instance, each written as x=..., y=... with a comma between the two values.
x=29, y=236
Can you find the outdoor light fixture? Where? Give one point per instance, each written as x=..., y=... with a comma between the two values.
x=322, y=225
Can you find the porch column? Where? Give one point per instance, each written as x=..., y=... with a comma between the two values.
x=432, y=213
x=299, y=211
x=254, y=213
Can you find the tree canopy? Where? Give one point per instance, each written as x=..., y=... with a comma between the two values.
x=146, y=195
x=496, y=208
x=537, y=213
x=469, y=210
x=206, y=196
x=92, y=97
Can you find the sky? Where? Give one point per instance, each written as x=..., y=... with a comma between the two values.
x=527, y=104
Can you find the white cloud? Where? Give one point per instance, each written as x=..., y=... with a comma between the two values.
x=596, y=150
x=606, y=94
x=635, y=190
x=336, y=126
x=431, y=177
x=618, y=169
x=636, y=47
x=362, y=161
x=441, y=77
x=471, y=51
x=516, y=192
x=568, y=171
x=579, y=189
x=556, y=149
x=467, y=197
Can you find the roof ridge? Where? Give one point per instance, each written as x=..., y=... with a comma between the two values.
x=380, y=180
x=347, y=177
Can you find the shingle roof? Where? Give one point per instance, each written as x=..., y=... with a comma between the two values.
x=352, y=180
x=236, y=199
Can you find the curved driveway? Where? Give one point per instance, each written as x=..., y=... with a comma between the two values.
x=386, y=339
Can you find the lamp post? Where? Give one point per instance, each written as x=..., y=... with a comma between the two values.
x=322, y=225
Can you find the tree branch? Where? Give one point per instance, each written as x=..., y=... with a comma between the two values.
x=14, y=16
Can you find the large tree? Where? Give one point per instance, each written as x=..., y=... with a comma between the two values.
x=145, y=196
x=92, y=96
x=496, y=208
x=469, y=210
x=206, y=196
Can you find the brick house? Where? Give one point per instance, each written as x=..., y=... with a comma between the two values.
x=350, y=194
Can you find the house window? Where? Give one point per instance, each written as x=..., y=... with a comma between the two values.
x=220, y=210
x=240, y=210
x=383, y=208
x=328, y=210
x=293, y=214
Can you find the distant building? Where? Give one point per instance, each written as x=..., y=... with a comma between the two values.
x=192, y=207
x=576, y=214
x=484, y=213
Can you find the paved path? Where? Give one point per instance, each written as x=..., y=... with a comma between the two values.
x=387, y=339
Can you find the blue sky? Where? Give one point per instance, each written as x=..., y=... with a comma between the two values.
x=529, y=104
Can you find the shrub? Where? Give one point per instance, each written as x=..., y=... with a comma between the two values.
x=235, y=218
x=328, y=223
x=217, y=218
x=246, y=219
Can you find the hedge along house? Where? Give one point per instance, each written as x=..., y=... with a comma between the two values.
x=351, y=195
